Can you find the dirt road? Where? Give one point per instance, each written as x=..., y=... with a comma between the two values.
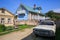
x=19, y=35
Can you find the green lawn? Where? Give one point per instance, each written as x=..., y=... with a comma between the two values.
x=10, y=29
x=25, y=26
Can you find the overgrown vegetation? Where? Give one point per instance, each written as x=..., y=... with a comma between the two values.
x=2, y=28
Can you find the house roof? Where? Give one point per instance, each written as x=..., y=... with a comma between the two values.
x=29, y=8
x=7, y=11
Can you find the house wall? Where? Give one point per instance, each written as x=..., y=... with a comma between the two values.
x=7, y=15
x=29, y=16
x=29, y=20
x=25, y=17
x=32, y=16
x=32, y=19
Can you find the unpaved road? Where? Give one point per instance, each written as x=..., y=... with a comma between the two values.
x=23, y=35
x=19, y=35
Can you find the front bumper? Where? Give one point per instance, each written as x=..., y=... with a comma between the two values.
x=49, y=34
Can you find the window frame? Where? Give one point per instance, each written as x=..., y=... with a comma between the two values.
x=2, y=20
x=9, y=20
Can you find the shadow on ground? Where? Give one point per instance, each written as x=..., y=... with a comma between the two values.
x=33, y=37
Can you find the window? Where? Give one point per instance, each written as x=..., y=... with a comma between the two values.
x=3, y=10
x=2, y=20
x=21, y=15
x=9, y=20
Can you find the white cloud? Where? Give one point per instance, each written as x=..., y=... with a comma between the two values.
x=57, y=10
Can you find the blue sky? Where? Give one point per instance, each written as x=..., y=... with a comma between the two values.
x=46, y=5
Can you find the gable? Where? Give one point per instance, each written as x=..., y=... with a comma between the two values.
x=6, y=12
x=21, y=10
x=27, y=8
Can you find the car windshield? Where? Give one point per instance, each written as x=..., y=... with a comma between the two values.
x=46, y=23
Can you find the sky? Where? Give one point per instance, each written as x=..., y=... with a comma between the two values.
x=46, y=5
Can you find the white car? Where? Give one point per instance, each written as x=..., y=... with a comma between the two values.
x=45, y=28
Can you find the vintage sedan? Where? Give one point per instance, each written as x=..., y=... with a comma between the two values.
x=45, y=28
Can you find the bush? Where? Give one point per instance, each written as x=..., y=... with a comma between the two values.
x=2, y=28
x=9, y=28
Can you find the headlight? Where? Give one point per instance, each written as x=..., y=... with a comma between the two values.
x=51, y=32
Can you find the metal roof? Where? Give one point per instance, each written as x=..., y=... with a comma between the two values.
x=29, y=8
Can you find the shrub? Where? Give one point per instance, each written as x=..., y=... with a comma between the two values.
x=9, y=28
x=2, y=28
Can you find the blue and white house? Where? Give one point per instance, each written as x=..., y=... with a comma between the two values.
x=28, y=13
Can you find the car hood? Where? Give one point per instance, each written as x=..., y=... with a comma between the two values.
x=46, y=27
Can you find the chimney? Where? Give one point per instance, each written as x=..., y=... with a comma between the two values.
x=34, y=6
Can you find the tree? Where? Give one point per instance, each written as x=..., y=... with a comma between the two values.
x=52, y=15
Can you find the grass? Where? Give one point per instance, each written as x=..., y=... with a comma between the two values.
x=11, y=29
x=25, y=26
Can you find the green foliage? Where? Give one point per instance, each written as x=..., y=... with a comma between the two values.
x=9, y=28
x=25, y=26
x=52, y=15
x=2, y=28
